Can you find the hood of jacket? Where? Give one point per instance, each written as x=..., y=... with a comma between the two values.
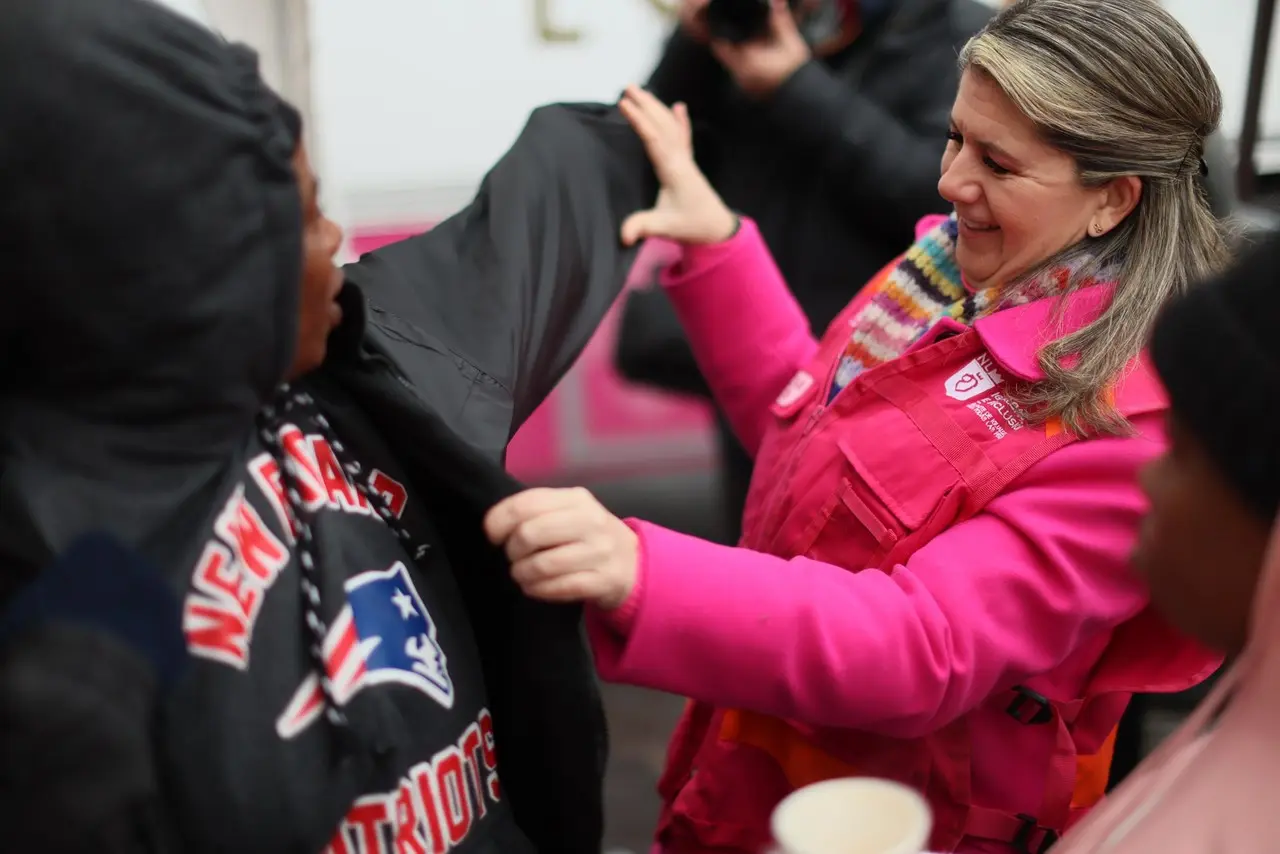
x=151, y=229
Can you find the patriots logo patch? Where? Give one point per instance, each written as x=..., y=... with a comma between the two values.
x=384, y=634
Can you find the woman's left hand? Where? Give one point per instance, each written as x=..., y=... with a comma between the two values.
x=564, y=546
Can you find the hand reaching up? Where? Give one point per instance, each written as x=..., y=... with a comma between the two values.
x=688, y=209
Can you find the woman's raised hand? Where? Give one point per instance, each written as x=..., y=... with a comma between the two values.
x=688, y=209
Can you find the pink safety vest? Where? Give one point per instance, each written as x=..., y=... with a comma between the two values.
x=906, y=451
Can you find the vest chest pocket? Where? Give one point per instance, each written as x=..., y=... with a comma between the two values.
x=889, y=489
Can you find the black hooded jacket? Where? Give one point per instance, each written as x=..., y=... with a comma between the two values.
x=150, y=223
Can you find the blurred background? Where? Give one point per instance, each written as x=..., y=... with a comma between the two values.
x=408, y=102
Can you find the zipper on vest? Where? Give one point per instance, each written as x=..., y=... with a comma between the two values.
x=797, y=452
x=812, y=420
x=824, y=395
x=770, y=518
x=769, y=515
x=825, y=400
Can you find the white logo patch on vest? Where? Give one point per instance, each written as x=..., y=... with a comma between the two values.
x=800, y=383
x=977, y=377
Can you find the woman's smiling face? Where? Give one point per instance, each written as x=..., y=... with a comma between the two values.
x=1019, y=199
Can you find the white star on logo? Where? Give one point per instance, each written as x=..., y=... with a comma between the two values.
x=405, y=603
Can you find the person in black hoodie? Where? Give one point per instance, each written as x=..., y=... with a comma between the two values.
x=304, y=453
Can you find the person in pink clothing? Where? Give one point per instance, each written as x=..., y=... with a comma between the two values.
x=1214, y=784
x=933, y=582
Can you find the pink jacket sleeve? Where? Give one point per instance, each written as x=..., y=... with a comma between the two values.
x=995, y=600
x=746, y=330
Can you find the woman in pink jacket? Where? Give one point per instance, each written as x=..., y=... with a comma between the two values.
x=932, y=585
x=1215, y=784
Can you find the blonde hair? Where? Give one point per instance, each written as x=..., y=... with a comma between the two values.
x=1119, y=86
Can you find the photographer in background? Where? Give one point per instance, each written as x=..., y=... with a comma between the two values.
x=825, y=125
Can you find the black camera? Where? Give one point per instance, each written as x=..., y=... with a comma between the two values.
x=740, y=21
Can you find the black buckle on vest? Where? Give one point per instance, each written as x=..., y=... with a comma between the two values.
x=1032, y=838
x=1029, y=708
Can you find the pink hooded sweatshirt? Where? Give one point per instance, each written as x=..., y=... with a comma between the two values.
x=1031, y=588
x=1214, y=785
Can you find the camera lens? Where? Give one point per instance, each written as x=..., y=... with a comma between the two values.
x=738, y=21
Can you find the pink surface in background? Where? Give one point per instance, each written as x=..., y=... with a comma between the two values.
x=616, y=428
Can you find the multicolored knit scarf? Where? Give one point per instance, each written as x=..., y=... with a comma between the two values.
x=924, y=287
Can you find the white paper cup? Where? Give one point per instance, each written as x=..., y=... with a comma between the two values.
x=857, y=815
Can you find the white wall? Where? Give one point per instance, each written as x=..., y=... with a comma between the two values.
x=415, y=99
